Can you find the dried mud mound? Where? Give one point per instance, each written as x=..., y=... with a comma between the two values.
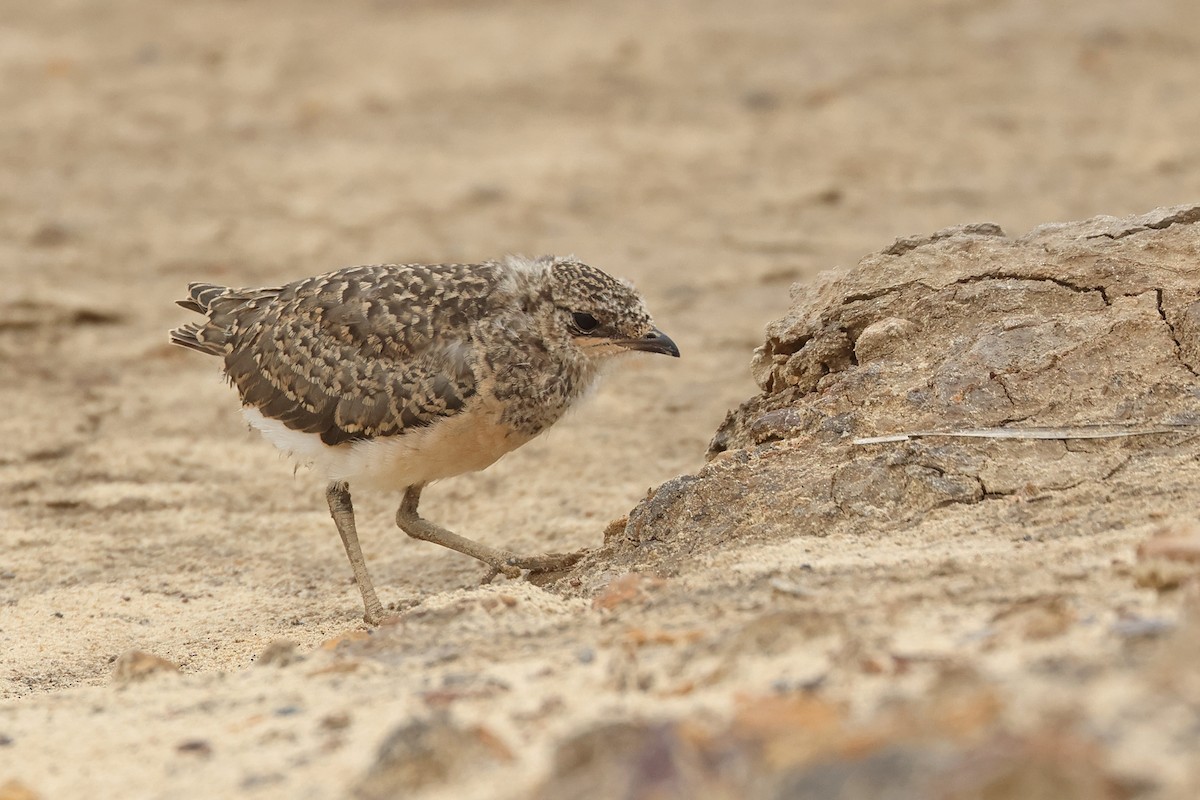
x=943, y=616
x=1094, y=323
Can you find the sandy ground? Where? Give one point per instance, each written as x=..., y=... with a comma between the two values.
x=713, y=153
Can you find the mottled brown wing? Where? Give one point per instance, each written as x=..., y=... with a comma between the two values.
x=355, y=354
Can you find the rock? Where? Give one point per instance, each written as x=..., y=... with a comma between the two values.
x=949, y=745
x=1072, y=324
x=425, y=753
x=1045, y=765
x=640, y=761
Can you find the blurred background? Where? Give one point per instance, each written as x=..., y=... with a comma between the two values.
x=713, y=152
x=690, y=144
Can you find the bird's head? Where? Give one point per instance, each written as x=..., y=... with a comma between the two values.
x=602, y=315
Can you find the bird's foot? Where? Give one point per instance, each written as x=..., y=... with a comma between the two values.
x=513, y=565
x=504, y=568
x=374, y=614
x=547, y=562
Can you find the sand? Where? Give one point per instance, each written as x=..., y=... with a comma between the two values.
x=713, y=153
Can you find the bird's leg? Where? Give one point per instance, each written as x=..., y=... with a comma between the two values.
x=501, y=561
x=342, y=511
x=418, y=528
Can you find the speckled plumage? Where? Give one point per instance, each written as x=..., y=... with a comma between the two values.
x=398, y=375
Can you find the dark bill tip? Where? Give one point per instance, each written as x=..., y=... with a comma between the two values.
x=654, y=342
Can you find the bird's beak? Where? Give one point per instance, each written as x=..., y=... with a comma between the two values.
x=653, y=342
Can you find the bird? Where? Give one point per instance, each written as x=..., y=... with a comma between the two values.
x=392, y=376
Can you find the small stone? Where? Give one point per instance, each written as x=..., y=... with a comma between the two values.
x=883, y=339
x=196, y=747
x=279, y=653
x=135, y=665
x=627, y=588
x=1163, y=575
x=1173, y=547
x=51, y=234
x=337, y=721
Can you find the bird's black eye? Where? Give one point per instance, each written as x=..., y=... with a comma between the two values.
x=584, y=322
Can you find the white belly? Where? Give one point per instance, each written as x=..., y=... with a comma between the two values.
x=466, y=442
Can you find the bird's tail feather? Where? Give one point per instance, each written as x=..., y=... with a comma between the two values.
x=189, y=336
x=220, y=304
x=201, y=296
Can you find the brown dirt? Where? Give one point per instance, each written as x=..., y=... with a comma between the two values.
x=938, y=611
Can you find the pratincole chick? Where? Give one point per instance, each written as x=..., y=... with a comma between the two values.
x=393, y=376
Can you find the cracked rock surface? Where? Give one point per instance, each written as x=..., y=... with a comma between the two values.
x=1081, y=324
